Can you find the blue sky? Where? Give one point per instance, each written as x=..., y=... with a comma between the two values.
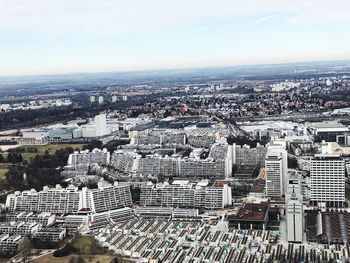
x=61, y=36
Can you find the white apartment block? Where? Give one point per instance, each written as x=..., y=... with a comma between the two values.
x=327, y=175
x=70, y=200
x=125, y=161
x=101, y=157
x=44, y=218
x=294, y=210
x=157, y=165
x=186, y=195
x=246, y=155
x=160, y=137
x=276, y=171
x=107, y=197
x=295, y=218
x=19, y=228
x=9, y=244
x=49, y=234
x=56, y=200
x=217, y=165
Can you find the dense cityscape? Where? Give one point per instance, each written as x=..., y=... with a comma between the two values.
x=230, y=170
x=174, y=131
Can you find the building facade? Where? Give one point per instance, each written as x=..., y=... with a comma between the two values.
x=327, y=175
x=276, y=171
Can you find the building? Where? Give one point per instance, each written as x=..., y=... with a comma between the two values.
x=19, y=228
x=9, y=244
x=71, y=200
x=328, y=130
x=294, y=209
x=153, y=211
x=186, y=195
x=92, y=99
x=295, y=218
x=218, y=164
x=253, y=215
x=276, y=171
x=44, y=218
x=101, y=219
x=107, y=197
x=37, y=134
x=125, y=161
x=244, y=155
x=101, y=125
x=56, y=200
x=62, y=133
x=327, y=175
x=332, y=227
x=51, y=234
x=100, y=99
x=97, y=128
x=101, y=157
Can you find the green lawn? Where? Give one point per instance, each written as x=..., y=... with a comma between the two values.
x=3, y=170
x=28, y=153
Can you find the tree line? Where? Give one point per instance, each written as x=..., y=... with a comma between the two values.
x=42, y=170
x=11, y=157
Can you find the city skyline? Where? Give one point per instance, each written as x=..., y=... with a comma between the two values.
x=67, y=37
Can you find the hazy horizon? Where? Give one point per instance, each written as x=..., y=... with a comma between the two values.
x=60, y=36
x=186, y=69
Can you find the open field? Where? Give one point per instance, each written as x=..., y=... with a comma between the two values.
x=28, y=152
x=3, y=170
x=51, y=259
x=85, y=246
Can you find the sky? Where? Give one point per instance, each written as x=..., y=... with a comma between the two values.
x=67, y=36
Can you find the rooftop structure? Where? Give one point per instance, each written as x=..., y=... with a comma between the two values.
x=251, y=215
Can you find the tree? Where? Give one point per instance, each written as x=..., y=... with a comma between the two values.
x=2, y=159
x=19, y=158
x=292, y=163
x=24, y=247
x=92, y=145
x=10, y=157
x=111, y=146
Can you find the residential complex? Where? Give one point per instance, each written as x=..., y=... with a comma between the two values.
x=71, y=200
x=101, y=157
x=187, y=195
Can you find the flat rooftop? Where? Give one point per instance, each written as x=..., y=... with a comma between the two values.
x=245, y=170
x=251, y=212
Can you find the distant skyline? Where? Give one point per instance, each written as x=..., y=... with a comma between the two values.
x=71, y=36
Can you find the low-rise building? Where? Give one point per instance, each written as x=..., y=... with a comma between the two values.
x=51, y=234
x=9, y=244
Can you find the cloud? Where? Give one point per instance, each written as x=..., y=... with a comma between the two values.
x=113, y=16
x=264, y=19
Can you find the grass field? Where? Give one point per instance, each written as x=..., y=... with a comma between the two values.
x=51, y=259
x=85, y=246
x=3, y=170
x=28, y=153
